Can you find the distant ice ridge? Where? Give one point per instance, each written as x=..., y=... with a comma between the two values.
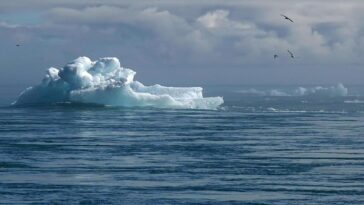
x=272, y=92
x=105, y=82
x=334, y=91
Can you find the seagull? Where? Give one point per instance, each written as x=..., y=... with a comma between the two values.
x=290, y=53
x=275, y=56
x=287, y=18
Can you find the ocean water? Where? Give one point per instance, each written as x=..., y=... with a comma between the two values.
x=255, y=149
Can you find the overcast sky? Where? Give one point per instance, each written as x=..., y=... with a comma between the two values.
x=174, y=43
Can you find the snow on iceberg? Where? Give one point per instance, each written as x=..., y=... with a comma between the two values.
x=105, y=82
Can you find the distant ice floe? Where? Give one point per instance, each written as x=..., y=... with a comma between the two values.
x=272, y=92
x=105, y=82
x=334, y=91
x=354, y=101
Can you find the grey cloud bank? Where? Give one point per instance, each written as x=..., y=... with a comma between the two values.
x=192, y=43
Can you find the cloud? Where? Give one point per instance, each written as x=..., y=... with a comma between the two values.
x=216, y=32
x=195, y=36
x=218, y=22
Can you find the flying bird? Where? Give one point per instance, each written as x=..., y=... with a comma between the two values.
x=287, y=18
x=290, y=53
x=275, y=56
x=17, y=45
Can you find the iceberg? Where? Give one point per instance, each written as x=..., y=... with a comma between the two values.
x=338, y=90
x=334, y=91
x=106, y=82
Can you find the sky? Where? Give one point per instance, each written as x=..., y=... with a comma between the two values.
x=188, y=43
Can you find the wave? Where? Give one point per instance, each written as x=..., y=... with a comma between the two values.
x=334, y=91
x=105, y=82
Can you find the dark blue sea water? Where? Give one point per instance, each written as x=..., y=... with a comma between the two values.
x=256, y=149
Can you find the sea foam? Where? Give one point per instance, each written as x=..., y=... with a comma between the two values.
x=105, y=82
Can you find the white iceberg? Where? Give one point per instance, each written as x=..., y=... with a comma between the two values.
x=334, y=91
x=338, y=90
x=105, y=82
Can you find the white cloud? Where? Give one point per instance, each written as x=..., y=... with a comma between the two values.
x=203, y=34
x=218, y=22
x=214, y=31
